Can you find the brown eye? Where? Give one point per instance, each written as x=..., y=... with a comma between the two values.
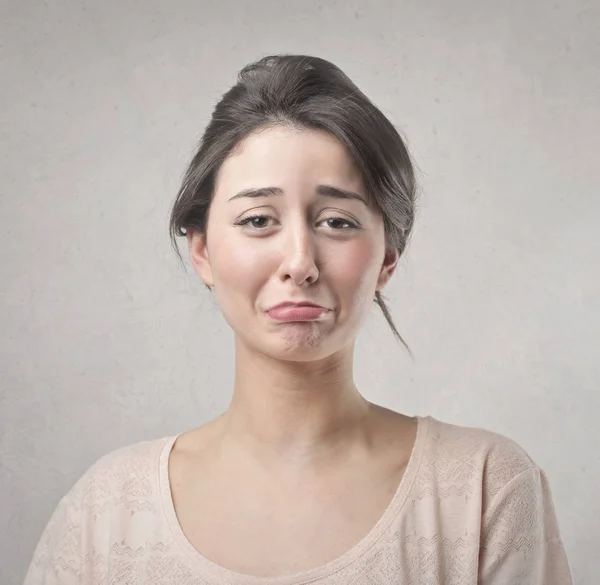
x=339, y=223
x=254, y=221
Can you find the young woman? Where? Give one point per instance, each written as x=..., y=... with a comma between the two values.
x=296, y=209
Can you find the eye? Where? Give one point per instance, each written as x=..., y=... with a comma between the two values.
x=254, y=221
x=339, y=223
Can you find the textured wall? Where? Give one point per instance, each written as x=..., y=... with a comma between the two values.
x=105, y=340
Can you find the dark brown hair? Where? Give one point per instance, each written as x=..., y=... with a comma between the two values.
x=306, y=93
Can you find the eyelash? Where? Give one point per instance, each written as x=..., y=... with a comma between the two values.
x=249, y=218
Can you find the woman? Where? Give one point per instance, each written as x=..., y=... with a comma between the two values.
x=296, y=209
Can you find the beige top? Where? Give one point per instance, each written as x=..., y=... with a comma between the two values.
x=472, y=508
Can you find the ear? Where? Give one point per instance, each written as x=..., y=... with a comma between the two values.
x=390, y=262
x=199, y=256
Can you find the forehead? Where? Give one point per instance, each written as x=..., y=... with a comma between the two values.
x=284, y=155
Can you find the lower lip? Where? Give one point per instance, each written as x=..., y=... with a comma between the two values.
x=297, y=313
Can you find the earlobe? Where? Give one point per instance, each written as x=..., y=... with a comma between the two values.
x=199, y=256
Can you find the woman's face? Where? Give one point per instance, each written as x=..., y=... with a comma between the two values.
x=289, y=222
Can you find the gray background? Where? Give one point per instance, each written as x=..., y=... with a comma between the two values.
x=106, y=340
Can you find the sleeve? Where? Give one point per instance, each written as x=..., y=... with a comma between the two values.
x=521, y=542
x=57, y=556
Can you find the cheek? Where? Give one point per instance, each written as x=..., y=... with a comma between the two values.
x=237, y=267
x=356, y=270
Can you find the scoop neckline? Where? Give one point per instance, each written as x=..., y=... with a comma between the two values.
x=198, y=563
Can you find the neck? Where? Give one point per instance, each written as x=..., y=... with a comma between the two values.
x=295, y=413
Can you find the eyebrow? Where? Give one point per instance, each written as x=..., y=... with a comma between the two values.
x=324, y=190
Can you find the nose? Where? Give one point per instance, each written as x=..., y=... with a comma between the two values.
x=298, y=262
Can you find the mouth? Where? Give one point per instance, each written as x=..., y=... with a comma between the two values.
x=294, y=312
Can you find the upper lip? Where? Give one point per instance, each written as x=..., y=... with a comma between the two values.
x=296, y=304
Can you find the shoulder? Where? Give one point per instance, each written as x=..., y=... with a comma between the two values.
x=127, y=476
x=474, y=456
x=122, y=484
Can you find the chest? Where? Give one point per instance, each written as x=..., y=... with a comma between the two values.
x=273, y=529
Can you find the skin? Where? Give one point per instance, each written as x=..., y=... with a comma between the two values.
x=295, y=406
x=298, y=443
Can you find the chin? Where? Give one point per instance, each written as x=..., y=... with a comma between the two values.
x=301, y=342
